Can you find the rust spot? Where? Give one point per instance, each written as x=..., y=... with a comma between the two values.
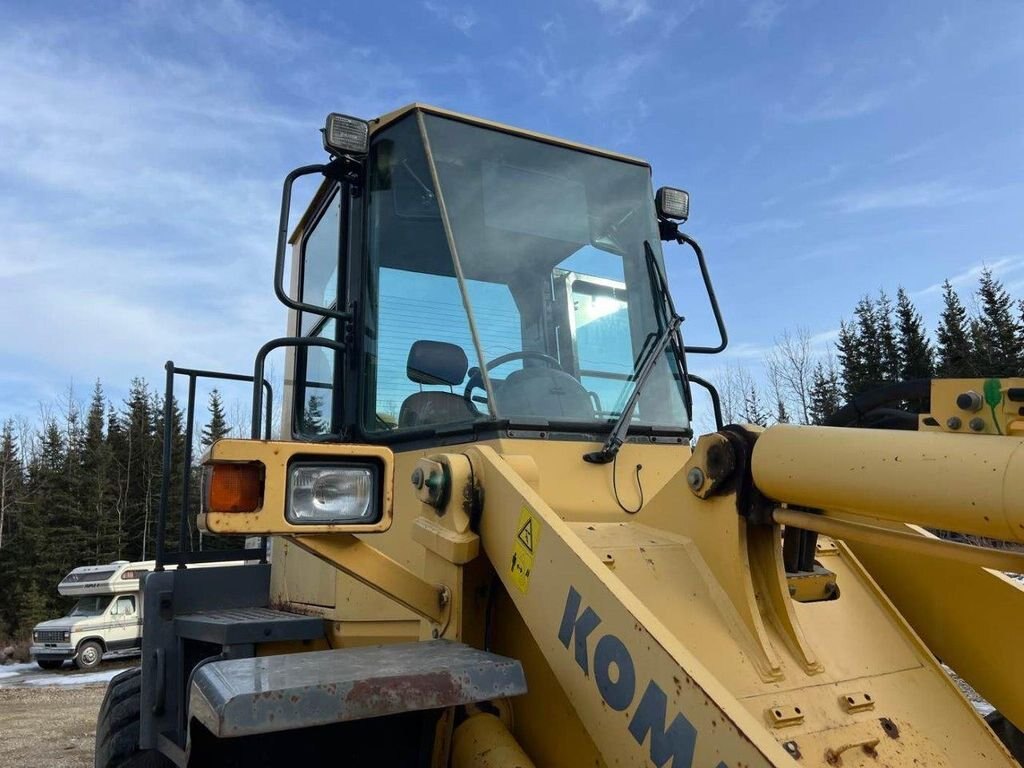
x=890, y=728
x=381, y=695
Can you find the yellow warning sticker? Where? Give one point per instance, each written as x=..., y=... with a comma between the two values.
x=523, y=549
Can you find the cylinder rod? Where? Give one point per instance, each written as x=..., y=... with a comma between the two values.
x=984, y=557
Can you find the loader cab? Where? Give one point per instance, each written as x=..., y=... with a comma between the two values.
x=499, y=283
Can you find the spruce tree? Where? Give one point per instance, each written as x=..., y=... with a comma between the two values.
x=217, y=427
x=860, y=347
x=955, y=353
x=1020, y=335
x=95, y=478
x=139, y=464
x=753, y=411
x=995, y=331
x=917, y=361
x=888, y=346
x=848, y=348
x=313, y=417
x=826, y=393
x=177, y=469
x=117, y=488
x=11, y=478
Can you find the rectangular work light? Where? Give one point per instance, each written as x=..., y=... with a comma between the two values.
x=332, y=493
x=345, y=135
x=672, y=204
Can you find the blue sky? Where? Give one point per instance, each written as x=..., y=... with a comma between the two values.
x=830, y=149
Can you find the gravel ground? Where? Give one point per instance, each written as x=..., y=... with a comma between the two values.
x=49, y=727
x=48, y=718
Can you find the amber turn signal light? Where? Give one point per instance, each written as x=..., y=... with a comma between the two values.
x=233, y=487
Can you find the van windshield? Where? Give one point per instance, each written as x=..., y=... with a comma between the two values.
x=91, y=606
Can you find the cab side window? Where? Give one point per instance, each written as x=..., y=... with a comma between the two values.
x=125, y=606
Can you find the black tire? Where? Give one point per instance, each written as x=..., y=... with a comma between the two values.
x=89, y=656
x=50, y=664
x=117, y=727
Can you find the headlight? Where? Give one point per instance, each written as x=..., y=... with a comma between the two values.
x=35, y=636
x=67, y=636
x=333, y=493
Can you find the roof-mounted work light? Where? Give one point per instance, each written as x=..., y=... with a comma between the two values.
x=345, y=135
x=672, y=204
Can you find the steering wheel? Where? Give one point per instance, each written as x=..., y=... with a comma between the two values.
x=476, y=379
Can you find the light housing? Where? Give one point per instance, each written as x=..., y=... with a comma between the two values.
x=333, y=493
x=672, y=204
x=67, y=637
x=276, y=458
x=346, y=135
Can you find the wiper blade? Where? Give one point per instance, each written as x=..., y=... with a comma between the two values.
x=667, y=336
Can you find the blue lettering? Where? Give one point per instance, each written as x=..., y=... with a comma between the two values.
x=677, y=743
x=580, y=625
x=619, y=694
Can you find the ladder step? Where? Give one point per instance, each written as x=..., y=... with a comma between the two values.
x=236, y=626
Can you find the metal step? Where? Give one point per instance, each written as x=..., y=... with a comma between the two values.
x=237, y=626
x=239, y=697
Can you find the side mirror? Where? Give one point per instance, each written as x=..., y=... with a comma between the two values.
x=673, y=204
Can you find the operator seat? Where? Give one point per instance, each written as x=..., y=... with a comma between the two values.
x=436, y=362
x=545, y=392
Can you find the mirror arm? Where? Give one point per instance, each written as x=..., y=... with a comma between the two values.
x=723, y=335
x=340, y=169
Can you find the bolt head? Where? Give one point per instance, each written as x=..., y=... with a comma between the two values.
x=977, y=424
x=417, y=477
x=695, y=478
x=954, y=422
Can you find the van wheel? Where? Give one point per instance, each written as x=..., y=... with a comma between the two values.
x=117, y=727
x=89, y=655
x=49, y=663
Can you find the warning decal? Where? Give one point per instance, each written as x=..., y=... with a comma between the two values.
x=523, y=549
x=525, y=534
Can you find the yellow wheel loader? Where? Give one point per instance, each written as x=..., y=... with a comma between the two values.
x=494, y=541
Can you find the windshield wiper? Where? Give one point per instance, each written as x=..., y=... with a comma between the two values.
x=667, y=336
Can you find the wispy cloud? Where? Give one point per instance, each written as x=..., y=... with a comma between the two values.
x=841, y=105
x=922, y=195
x=768, y=226
x=763, y=14
x=462, y=18
x=1000, y=267
x=624, y=11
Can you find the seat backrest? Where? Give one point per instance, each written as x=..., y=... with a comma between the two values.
x=435, y=362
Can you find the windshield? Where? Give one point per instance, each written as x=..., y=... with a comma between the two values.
x=510, y=282
x=91, y=606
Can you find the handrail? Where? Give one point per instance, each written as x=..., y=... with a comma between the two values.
x=184, y=555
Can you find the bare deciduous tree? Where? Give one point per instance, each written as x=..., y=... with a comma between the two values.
x=790, y=370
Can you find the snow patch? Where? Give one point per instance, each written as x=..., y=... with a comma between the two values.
x=13, y=670
x=81, y=679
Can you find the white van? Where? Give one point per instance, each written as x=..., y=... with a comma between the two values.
x=107, y=616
